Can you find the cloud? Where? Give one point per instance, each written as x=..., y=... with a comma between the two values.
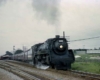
x=81, y=20
x=2, y=2
x=19, y=27
x=19, y=24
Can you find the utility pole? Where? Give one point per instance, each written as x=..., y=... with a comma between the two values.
x=24, y=50
x=24, y=53
x=13, y=52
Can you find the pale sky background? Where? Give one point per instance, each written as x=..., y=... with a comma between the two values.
x=23, y=23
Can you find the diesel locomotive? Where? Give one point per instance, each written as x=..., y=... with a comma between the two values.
x=53, y=52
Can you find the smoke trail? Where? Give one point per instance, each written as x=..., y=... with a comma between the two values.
x=47, y=10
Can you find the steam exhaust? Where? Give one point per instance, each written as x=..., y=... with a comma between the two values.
x=39, y=65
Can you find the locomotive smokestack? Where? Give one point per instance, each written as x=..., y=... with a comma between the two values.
x=63, y=34
x=57, y=36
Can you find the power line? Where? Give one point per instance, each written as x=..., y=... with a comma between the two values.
x=84, y=39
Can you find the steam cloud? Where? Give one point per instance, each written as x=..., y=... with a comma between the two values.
x=48, y=10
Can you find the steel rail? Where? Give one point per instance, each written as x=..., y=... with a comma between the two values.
x=86, y=74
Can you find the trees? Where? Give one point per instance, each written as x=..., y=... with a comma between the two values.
x=8, y=53
x=18, y=51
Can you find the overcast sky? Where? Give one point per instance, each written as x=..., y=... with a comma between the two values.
x=26, y=22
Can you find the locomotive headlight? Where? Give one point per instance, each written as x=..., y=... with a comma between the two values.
x=61, y=46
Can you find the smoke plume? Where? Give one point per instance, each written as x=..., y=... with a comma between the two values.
x=47, y=10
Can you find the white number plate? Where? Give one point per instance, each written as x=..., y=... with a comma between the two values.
x=60, y=40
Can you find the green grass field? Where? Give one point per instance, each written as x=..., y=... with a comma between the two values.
x=93, y=67
x=84, y=63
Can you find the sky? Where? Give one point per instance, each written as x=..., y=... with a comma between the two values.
x=27, y=22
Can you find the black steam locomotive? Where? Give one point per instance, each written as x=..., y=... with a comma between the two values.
x=53, y=52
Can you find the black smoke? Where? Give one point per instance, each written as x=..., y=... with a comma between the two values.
x=47, y=10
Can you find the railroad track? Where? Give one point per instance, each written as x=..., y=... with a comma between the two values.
x=19, y=72
x=89, y=75
x=85, y=75
x=23, y=72
x=28, y=72
x=75, y=73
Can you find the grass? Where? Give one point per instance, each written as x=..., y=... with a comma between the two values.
x=93, y=67
x=84, y=63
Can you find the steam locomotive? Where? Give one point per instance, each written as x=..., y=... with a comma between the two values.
x=53, y=52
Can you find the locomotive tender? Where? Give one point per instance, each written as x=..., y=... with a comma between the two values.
x=53, y=52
